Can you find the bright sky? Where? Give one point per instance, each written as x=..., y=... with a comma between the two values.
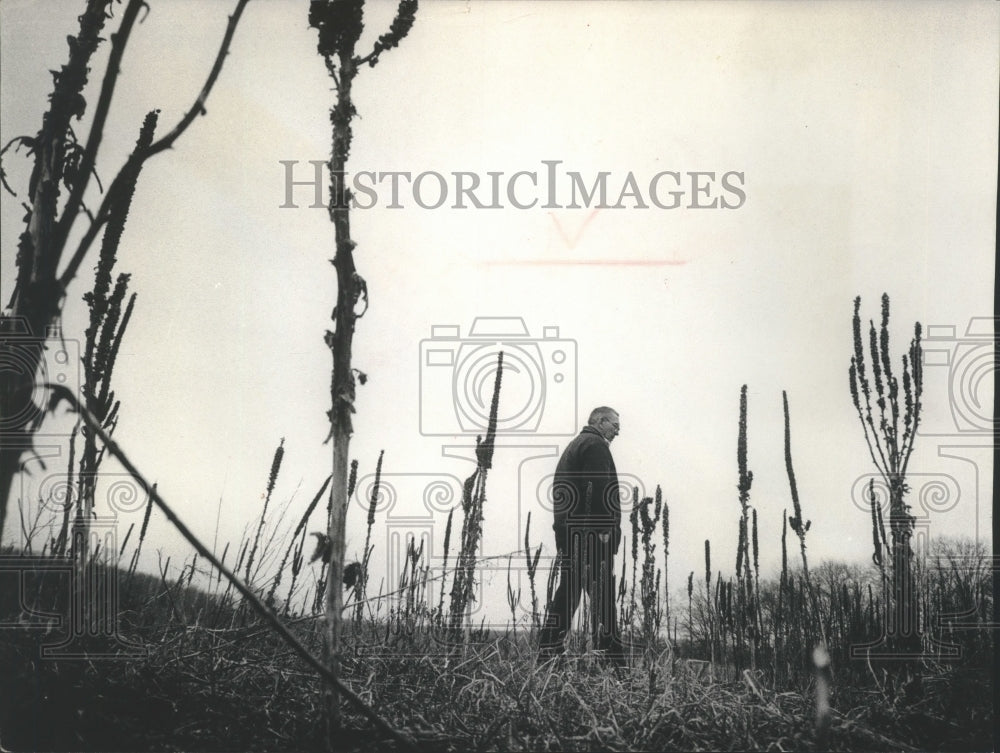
x=865, y=139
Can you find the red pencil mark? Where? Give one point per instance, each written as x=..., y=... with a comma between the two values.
x=572, y=242
x=579, y=233
x=587, y=262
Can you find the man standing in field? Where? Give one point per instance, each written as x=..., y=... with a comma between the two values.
x=588, y=531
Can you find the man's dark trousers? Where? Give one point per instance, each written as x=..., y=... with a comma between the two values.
x=585, y=560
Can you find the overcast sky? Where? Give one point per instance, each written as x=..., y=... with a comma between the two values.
x=859, y=148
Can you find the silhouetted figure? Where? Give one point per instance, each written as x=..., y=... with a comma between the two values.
x=587, y=526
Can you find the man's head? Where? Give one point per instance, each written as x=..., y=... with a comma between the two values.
x=606, y=421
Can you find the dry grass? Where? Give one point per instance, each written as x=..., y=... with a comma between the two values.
x=734, y=673
x=222, y=681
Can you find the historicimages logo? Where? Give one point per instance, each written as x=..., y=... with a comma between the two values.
x=544, y=187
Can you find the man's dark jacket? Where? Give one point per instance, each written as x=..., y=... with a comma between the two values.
x=585, y=487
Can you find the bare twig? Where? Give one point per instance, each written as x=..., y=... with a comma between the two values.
x=139, y=157
x=88, y=162
x=62, y=393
